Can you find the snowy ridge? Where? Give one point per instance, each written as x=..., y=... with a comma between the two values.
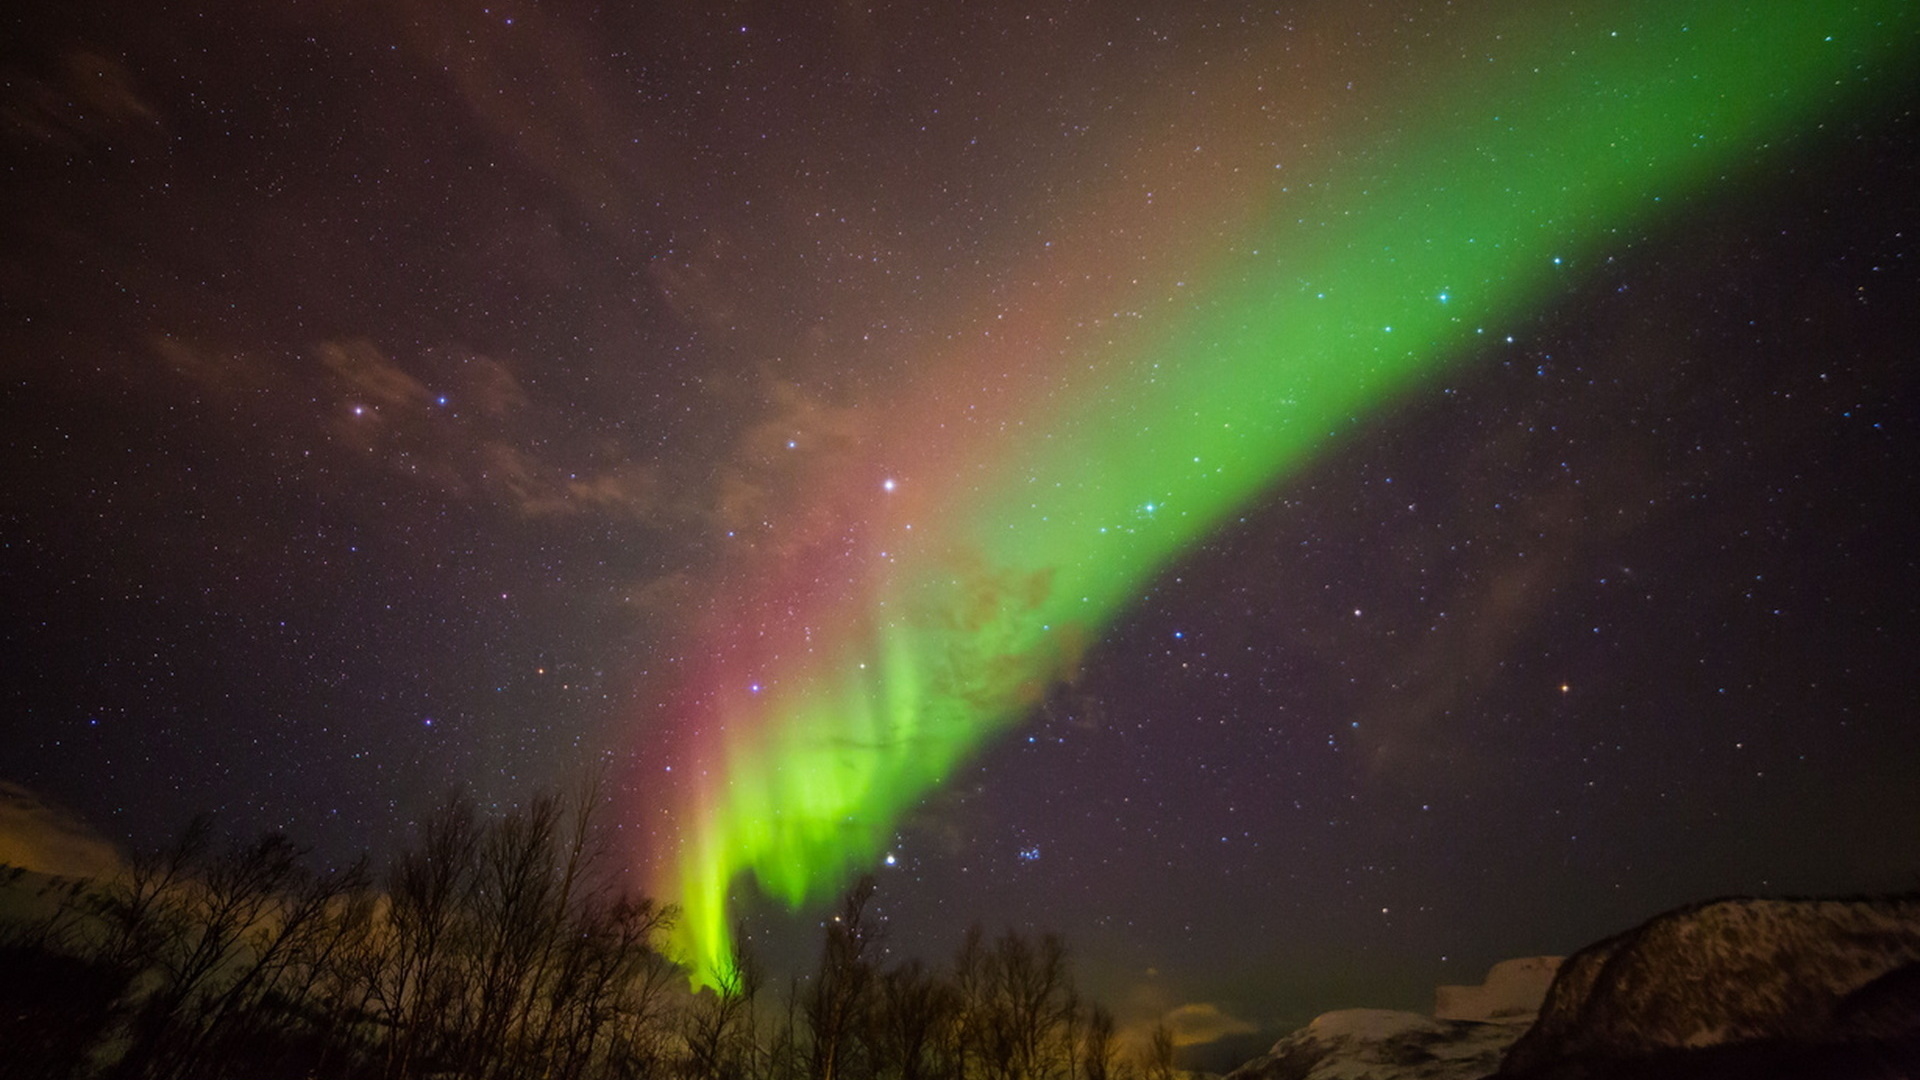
x=1382, y=1044
x=1511, y=995
x=1800, y=989
x=1464, y=1040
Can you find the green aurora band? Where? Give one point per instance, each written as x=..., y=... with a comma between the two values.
x=872, y=657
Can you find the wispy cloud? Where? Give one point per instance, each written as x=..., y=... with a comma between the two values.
x=48, y=840
x=458, y=423
x=1201, y=1022
x=87, y=100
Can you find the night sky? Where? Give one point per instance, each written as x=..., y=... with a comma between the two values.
x=409, y=394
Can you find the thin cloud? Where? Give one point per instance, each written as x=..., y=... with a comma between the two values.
x=1201, y=1022
x=49, y=840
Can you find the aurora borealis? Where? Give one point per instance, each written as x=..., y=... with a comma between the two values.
x=1038, y=521
x=1305, y=499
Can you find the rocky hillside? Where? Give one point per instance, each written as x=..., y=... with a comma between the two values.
x=1781, y=989
x=1817, y=988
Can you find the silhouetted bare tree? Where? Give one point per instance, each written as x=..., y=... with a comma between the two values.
x=912, y=1015
x=206, y=916
x=835, y=1005
x=500, y=947
x=1018, y=1012
x=1157, y=1060
x=1097, y=1051
x=415, y=984
x=719, y=1027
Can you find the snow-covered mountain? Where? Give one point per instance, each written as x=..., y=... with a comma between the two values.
x=1471, y=1028
x=1801, y=989
x=1382, y=1044
x=1512, y=993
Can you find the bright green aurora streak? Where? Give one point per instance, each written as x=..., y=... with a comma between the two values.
x=1484, y=195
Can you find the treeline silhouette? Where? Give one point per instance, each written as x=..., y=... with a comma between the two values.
x=500, y=947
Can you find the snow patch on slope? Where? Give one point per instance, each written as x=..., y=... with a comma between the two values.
x=1384, y=1044
x=1511, y=994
